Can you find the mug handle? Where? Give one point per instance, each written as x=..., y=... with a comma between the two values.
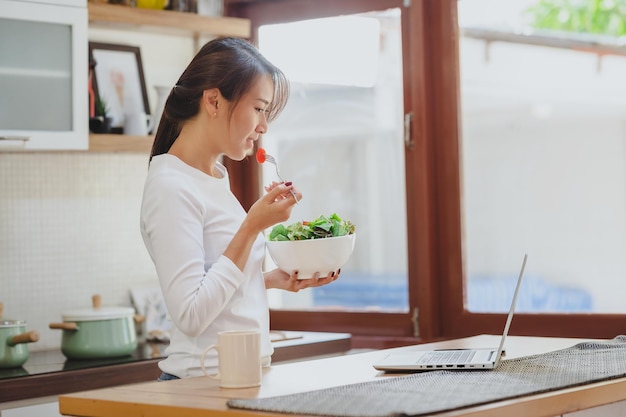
x=214, y=376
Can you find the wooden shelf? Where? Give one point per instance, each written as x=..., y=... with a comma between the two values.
x=120, y=143
x=187, y=23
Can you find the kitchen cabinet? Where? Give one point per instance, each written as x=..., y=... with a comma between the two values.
x=123, y=18
x=160, y=21
x=617, y=409
x=49, y=409
x=42, y=74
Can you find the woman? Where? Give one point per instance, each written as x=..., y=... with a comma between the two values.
x=208, y=252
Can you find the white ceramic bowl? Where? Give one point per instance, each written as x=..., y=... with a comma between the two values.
x=312, y=255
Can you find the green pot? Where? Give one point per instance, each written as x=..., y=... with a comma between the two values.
x=98, y=333
x=13, y=343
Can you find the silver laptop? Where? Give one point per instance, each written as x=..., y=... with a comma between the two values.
x=429, y=360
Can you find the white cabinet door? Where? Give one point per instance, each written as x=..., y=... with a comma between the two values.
x=610, y=410
x=39, y=410
x=43, y=76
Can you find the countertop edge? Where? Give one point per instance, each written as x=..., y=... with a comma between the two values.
x=64, y=382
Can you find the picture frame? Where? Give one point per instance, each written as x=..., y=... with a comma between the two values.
x=118, y=81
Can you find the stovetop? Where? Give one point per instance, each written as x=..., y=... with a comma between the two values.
x=47, y=361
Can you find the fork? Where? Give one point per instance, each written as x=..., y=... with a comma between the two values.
x=269, y=158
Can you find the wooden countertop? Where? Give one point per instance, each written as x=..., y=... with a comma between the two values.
x=287, y=346
x=200, y=396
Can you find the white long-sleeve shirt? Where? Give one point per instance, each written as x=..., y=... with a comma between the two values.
x=188, y=218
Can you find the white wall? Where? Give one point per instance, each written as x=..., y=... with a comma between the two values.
x=69, y=228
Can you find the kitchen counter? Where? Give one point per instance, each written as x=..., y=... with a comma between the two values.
x=49, y=373
x=202, y=396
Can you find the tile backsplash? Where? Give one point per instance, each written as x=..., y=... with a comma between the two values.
x=69, y=228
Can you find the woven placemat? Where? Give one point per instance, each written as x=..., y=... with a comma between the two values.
x=438, y=391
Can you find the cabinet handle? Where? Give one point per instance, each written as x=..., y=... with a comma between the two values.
x=13, y=142
x=22, y=138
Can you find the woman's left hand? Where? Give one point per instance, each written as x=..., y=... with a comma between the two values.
x=282, y=280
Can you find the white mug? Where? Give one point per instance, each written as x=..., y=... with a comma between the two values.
x=239, y=359
x=136, y=123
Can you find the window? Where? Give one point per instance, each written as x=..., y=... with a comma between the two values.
x=340, y=140
x=544, y=156
x=530, y=124
x=481, y=187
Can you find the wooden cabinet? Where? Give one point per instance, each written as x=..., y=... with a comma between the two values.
x=161, y=21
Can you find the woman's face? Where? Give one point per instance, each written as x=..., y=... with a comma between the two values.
x=249, y=118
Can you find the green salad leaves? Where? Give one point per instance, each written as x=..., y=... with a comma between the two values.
x=323, y=226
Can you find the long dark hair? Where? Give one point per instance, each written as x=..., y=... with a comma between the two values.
x=232, y=65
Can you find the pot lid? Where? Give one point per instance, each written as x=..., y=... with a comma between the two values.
x=11, y=323
x=92, y=314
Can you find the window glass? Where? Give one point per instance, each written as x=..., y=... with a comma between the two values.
x=340, y=140
x=543, y=100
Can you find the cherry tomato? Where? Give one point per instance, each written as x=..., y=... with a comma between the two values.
x=260, y=155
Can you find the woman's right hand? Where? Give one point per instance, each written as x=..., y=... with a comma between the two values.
x=275, y=184
x=274, y=207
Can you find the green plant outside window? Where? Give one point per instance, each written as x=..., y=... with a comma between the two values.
x=605, y=17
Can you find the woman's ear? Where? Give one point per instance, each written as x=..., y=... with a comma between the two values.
x=211, y=101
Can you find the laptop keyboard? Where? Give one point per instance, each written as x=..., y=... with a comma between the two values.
x=448, y=357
